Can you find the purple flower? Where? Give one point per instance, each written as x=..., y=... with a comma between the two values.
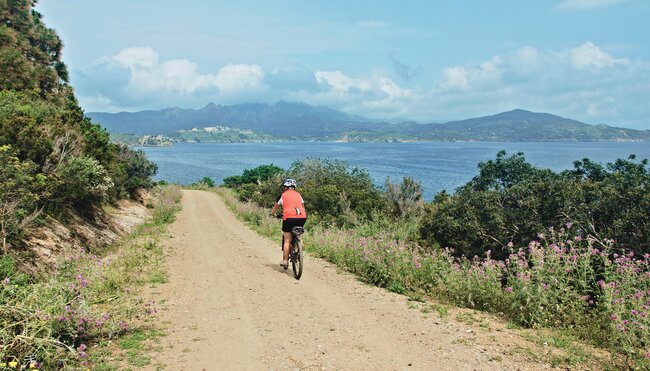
x=613, y=317
x=508, y=289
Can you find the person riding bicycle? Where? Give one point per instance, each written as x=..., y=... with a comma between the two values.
x=294, y=215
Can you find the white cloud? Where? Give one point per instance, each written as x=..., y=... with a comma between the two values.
x=375, y=95
x=455, y=78
x=586, y=4
x=527, y=60
x=589, y=55
x=464, y=78
x=239, y=77
x=584, y=82
x=148, y=75
x=136, y=57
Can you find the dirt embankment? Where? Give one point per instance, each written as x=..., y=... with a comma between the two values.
x=228, y=306
x=100, y=227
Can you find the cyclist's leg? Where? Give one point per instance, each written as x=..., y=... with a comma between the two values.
x=287, y=246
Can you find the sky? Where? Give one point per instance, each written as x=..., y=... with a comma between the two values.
x=427, y=61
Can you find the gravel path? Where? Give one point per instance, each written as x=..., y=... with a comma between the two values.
x=229, y=306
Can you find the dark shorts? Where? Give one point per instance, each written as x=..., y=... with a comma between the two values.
x=289, y=223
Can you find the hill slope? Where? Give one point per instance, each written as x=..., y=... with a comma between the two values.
x=521, y=125
x=302, y=121
x=282, y=119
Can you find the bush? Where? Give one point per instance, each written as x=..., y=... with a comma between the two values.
x=20, y=187
x=510, y=200
x=405, y=199
x=336, y=192
x=253, y=176
x=85, y=181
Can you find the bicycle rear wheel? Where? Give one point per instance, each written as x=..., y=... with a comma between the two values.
x=297, y=259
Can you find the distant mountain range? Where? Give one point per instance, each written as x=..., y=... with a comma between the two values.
x=299, y=121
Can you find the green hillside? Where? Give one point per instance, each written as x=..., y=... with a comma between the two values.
x=53, y=159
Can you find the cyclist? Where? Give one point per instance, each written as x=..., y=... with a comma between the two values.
x=294, y=215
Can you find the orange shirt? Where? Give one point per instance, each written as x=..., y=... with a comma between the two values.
x=292, y=205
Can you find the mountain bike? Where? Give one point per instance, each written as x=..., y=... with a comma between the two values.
x=295, y=249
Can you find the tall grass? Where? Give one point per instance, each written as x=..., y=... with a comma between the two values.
x=562, y=279
x=91, y=296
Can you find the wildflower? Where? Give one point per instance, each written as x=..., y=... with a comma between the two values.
x=508, y=289
x=601, y=283
x=418, y=265
x=578, y=238
x=613, y=317
x=6, y=281
x=569, y=225
x=13, y=364
x=634, y=312
x=82, y=347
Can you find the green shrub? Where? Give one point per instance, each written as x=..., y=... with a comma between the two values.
x=336, y=192
x=85, y=181
x=510, y=200
x=20, y=187
x=253, y=176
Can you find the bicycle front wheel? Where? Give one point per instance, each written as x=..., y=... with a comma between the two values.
x=297, y=261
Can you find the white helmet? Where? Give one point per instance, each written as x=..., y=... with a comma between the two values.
x=290, y=183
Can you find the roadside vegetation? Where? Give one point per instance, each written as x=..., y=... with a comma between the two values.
x=566, y=251
x=68, y=318
x=56, y=164
x=53, y=160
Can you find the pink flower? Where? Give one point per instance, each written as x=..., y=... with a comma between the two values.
x=508, y=289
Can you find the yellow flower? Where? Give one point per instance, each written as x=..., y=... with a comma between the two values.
x=3, y=364
x=13, y=364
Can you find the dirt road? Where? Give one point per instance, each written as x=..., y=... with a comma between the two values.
x=229, y=306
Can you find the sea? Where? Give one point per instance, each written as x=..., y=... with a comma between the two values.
x=436, y=165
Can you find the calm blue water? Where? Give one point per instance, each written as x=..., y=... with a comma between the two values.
x=437, y=165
